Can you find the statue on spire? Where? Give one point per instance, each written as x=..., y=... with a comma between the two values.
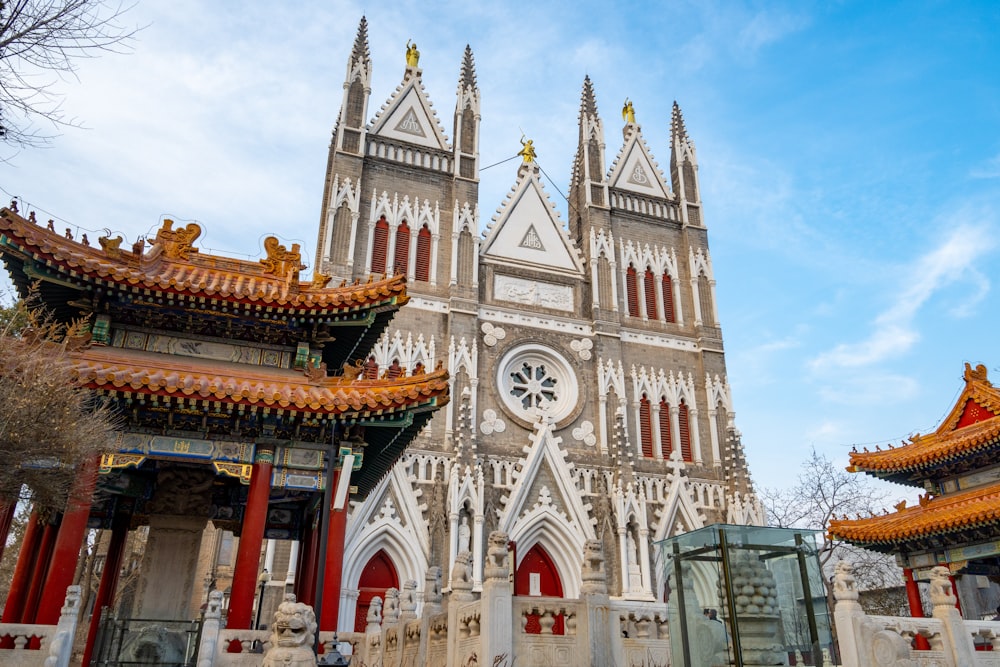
x=412, y=55
x=527, y=150
x=628, y=112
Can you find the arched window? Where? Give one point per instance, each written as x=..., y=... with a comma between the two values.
x=645, y=427
x=423, y=269
x=378, y=576
x=401, y=256
x=340, y=244
x=537, y=575
x=665, y=442
x=632, y=291
x=380, y=245
x=668, y=298
x=649, y=285
x=355, y=104
x=685, y=429
x=466, y=257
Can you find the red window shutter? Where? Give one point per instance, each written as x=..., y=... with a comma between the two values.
x=645, y=428
x=665, y=442
x=401, y=258
x=632, y=291
x=685, y=429
x=650, y=287
x=423, y=271
x=380, y=245
x=668, y=298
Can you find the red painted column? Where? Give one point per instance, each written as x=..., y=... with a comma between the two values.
x=39, y=573
x=244, y=586
x=7, y=508
x=334, y=572
x=27, y=561
x=66, y=551
x=109, y=580
x=306, y=574
x=913, y=594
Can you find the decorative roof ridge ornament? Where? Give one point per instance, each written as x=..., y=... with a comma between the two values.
x=281, y=261
x=978, y=374
x=628, y=112
x=175, y=243
x=412, y=55
x=527, y=151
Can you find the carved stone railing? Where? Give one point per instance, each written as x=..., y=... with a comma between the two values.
x=889, y=641
x=552, y=615
x=30, y=645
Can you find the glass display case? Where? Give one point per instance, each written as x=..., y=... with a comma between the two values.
x=745, y=595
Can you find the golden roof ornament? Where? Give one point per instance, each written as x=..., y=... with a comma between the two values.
x=628, y=112
x=412, y=55
x=527, y=150
x=978, y=373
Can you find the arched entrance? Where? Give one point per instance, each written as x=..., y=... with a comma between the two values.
x=537, y=575
x=378, y=576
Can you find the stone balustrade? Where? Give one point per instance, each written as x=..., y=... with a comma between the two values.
x=30, y=645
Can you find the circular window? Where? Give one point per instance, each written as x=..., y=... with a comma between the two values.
x=532, y=379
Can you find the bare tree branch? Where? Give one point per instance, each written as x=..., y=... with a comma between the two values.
x=40, y=42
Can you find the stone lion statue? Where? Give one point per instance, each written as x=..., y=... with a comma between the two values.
x=292, y=635
x=844, y=584
x=496, y=556
x=941, y=590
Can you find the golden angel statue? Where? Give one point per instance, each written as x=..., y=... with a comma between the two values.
x=527, y=150
x=628, y=112
x=412, y=55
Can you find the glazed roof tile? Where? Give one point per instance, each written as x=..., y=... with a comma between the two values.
x=942, y=514
x=973, y=425
x=172, y=263
x=118, y=370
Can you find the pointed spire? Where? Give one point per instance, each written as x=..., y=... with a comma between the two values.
x=677, y=129
x=467, y=79
x=360, y=52
x=588, y=105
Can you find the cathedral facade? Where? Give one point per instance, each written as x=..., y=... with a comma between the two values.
x=590, y=400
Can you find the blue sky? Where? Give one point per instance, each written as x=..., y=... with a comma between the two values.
x=849, y=162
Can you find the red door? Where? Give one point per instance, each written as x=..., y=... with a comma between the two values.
x=378, y=576
x=546, y=582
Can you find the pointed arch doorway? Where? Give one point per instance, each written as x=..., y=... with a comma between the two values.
x=536, y=575
x=378, y=576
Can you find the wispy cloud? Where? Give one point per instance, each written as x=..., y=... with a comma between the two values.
x=895, y=331
x=988, y=169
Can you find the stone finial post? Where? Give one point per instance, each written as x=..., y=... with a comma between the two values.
x=461, y=578
x=943, y=599
x=408, y=601
x=390, y=612
x=292, y=635
x=61, y=646
x=210, y=626
x=595, y=595
x=845, y=592
x=432, y=591
x=496, y=632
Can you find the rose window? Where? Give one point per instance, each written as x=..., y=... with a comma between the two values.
x=534, y=379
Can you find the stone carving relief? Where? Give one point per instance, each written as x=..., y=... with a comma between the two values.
x=533, y=293
x=585, y=433
x=583, y=348
x=492, y=423
x=492, y=334
x=182, y=491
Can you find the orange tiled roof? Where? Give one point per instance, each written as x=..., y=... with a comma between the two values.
x=972, y=425
x=942, y=514
x=173, y=264
x=121, y=370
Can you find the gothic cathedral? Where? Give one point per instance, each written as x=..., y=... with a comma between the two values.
x=590, y=402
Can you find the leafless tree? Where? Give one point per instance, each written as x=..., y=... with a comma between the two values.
x=48, y=425
x=40, y=42
x=821, y=492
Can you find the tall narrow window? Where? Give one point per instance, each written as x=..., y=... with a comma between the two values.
x=401, y=256
x=380, y=245
x=665, y=443
x=423, y=269
x=685, y=429
x=340, y=245
x=645, y=427
x=649, y=285
x=632, y=291
x=668, y=298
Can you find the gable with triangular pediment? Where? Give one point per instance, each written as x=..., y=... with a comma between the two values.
x=527, y=231
x=635, y=170
x=973, y=413
x=409, y=117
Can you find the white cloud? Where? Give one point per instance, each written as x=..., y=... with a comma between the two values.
x=894, y=331
x=989, y=169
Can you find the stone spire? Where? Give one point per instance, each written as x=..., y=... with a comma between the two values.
x=588, y=183
x=684, y=167
x=360, y=52
x=467, y=120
